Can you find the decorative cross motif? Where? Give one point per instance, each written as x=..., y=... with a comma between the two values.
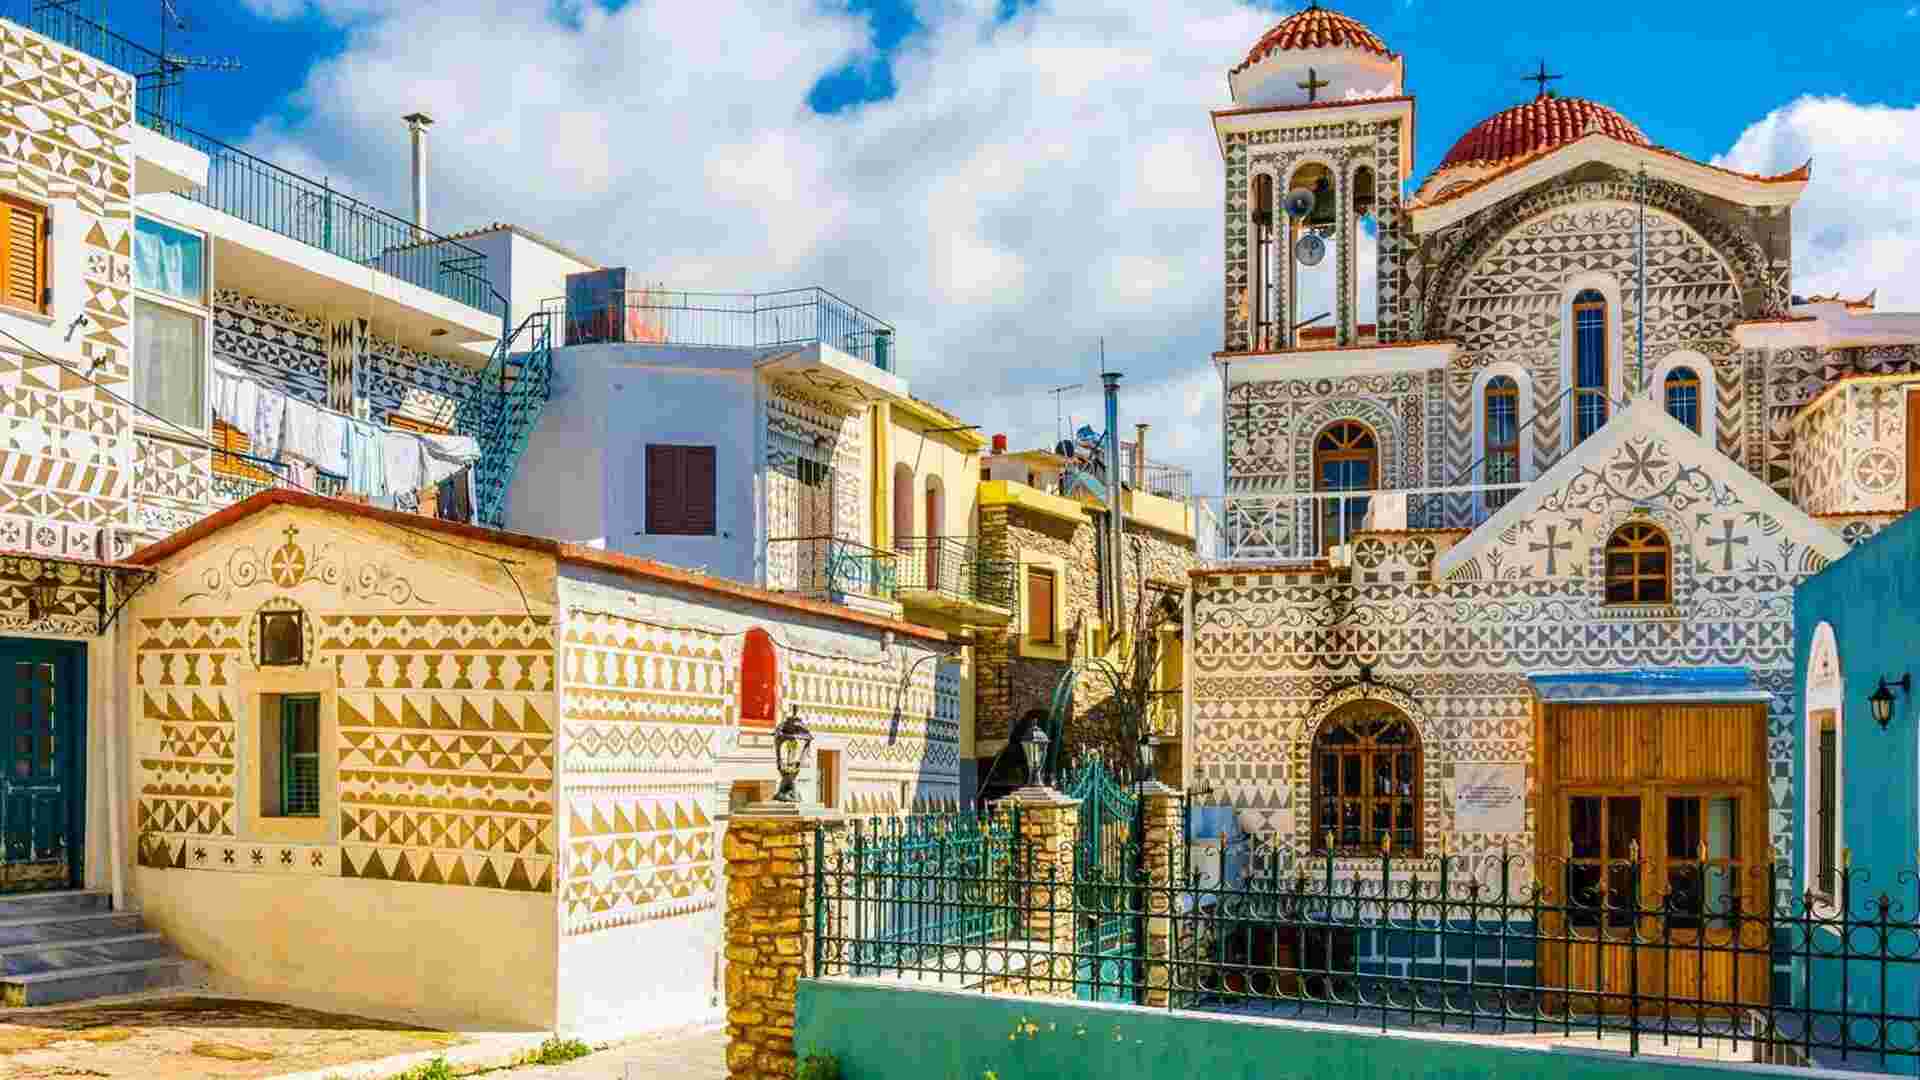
x=1542, y=78
x=1312, y=86
x=1552, y=547
x=1726, y=543
x=1878, y=404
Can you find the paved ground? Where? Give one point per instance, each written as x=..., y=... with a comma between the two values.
x=191, y=1035
x=685, y=1055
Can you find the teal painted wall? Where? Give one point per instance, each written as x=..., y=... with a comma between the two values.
x=1872, y=600
x=894, y=1033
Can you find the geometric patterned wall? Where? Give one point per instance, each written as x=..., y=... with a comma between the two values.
x=827, y=499
x=1273, y=650
x=65, y=135
x=445, y=756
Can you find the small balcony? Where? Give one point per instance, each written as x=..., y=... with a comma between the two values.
x=836, y=570
x=721, y=320
x=1321, y=525
x=949, y=576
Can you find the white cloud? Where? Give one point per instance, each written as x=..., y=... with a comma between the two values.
x=1858, y=226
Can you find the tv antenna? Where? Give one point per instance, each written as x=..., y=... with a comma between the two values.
x=173, y=66
x=1058, y=421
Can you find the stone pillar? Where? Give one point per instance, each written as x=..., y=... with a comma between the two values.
x=769, y=933
x=1049, y=823
x=1164, y=851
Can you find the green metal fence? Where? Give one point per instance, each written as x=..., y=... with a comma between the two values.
x=900, y=890
x=1106, y=855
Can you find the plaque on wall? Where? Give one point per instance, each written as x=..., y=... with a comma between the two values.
x=1490, y=798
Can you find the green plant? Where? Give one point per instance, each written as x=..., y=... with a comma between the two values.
x=558, y=1051
x=437, y=1069
x=818, y=1067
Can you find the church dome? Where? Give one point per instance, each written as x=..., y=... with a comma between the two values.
x=1315, y=28
x=1541, y=124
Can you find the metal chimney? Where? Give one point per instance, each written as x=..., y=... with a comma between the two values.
x=1140, y=457
x=1116, y=532
x=417, y=124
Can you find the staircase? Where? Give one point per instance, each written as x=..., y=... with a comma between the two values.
x=68, y=946
x=521, y=380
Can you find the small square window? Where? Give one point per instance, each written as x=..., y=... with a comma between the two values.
x=283, y=639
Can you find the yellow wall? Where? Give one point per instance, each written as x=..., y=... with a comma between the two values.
x=954, y=457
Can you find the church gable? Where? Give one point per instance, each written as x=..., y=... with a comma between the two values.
x=1643, y=467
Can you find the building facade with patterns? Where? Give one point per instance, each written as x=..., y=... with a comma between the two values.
x=1541, y=499
x=478, y=776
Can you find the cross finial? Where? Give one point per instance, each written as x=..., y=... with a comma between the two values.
x=1312, y=86
x=1542, y=77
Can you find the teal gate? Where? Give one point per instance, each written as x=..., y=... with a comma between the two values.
x=1107, y=870
x=40, y=798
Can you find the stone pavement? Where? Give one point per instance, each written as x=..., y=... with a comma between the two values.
x=699, y=1054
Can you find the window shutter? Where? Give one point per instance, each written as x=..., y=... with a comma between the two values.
x=1040, y=605
x=697, y=489
x=25, y=225
x=663, y=482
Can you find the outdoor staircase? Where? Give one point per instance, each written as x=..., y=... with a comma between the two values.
x=68, y=946
x=521, y=379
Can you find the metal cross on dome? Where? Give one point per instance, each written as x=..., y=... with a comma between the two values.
x=1312, y=86
x=1542, y=77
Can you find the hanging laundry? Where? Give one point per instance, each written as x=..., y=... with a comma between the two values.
x=366, y=459
x=405, y=465
x=315, y=435
x=269, y=423
x=243, y=408
x=448, y=454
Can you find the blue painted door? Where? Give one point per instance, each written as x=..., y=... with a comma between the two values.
x=41, y=800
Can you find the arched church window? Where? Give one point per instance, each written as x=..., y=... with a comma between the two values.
x=1683, y=397
x=759, y=682
x=1639, y=565
x=1589, y=363
x=1346, y=457
x=1366, y=781
x=1503, y=437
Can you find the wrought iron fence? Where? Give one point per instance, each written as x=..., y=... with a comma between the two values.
x=261, y=193
x=1309, y=525
x=1154, y=477
x=831, y=568
x=953, y=567
x=726, y=320
x=1707, y=953
x=900, y=886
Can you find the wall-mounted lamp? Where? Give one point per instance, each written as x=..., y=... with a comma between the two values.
x=1882, y=698
x=790, y=742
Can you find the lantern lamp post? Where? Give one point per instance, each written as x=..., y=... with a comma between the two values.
x=790, y=742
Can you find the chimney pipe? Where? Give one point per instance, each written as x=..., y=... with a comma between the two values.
x=1140, y=457
x=1000, y=443
x=417, y=124
x=1111, y=381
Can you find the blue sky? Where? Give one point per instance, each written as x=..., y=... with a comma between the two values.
x=1009, y=181
x=1693, y=83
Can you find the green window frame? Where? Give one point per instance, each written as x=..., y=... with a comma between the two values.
x=300, y=755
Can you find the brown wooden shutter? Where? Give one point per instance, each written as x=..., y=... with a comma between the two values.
x=23, y=239
x=698, y=487
x=1040, y=605
x=663, y=494
x=1913, y=449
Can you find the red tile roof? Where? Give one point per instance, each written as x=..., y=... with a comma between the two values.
x=1799, y=175
x=1540, y=124
x=578, y=554
x=1315, y=28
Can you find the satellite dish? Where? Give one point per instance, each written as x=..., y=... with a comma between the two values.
x=1298, y=203
x=1310, y=249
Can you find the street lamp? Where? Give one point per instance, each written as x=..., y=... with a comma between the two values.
x=1882, y=698
x=1034, y=746
x=790, y=742
x=1146, y=749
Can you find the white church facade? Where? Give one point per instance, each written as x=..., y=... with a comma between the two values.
x=1510, y=567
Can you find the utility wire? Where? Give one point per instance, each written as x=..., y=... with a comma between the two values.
x=506, y=565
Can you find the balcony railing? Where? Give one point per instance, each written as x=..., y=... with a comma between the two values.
x=953, y=568
x=1306, y=526
x=831, y=568
x=156, y=78
x=1154, y=477
x=261, y=193
x=726, y=320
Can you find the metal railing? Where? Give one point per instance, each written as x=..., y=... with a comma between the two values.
x=261, y=193
x=831, y=568
x=924, y=881
x=1306, y=526
x=1153, y=477
x=953, y=567
x=1697, y=952
x=725, y=320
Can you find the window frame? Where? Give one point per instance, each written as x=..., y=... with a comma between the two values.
x=1637, y=550
x=1367, y=749
x=1501, y=387
x=287, y=702
x=299, y=618
x=143, y=413
x=1339, y=519
x=1587, y=300
x=657, y=457
x=206, y=264
x=1053, y=604
x=1826, y=819
x=1682, y=377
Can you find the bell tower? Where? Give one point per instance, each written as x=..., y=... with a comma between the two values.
x=1317, y=145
